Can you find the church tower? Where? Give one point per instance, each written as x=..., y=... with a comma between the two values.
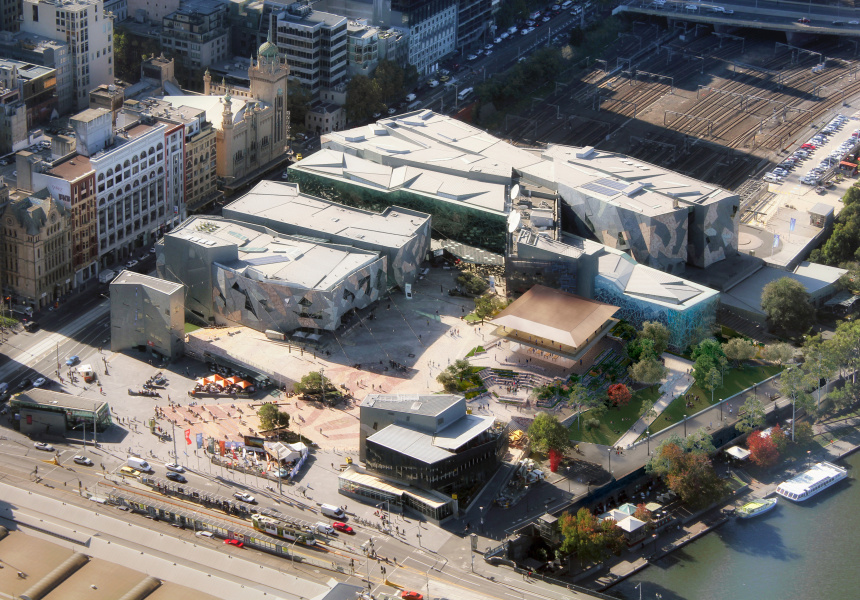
x=269, y=84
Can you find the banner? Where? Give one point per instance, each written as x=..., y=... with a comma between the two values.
x=775, y=240
x=188, y=437
x=792, y=223
x=199, y=440
x=222, y=447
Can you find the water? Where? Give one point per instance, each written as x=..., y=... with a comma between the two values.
x=796, y=551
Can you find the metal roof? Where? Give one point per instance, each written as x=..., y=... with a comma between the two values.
x=39, y=397
x=421, y=404
x=410, y=442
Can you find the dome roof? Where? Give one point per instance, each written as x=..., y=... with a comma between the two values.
x=268, y=49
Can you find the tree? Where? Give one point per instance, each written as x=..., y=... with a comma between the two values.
x=315, y=383
x=389, y=76
x=578, y=395
x=844, y=397
x=298, y=102
x=695, y=481
x=451, y=377
x=786, y=304
x=472, y=284
x=648, y=371
x=642, y=513
x=577, y=37
x=763, y=450
x=779, y=439
x=639, y=349
x=657, y=333
x=363, y=98
x=547, y=433
x=706, y=356
x=739, y=350
x=700, y=441
x=793, y=384
x=803, y=433
x=271, y=417
x=779, y=353
x=625, y=331
x=488, y=305
x=618, y=394
x=750, y=416
x=583, y=536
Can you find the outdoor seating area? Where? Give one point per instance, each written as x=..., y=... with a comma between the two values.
x=216, y=384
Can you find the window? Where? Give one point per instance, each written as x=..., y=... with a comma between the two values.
x=35, y=13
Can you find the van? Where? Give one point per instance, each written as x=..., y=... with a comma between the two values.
x=324, y=528
x=411, y=97
x=566, y=3
x=139, y=464
x=335, y=512
x=464, y=94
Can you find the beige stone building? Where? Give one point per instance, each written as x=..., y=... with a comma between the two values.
x=251, y=124
x=36, y=238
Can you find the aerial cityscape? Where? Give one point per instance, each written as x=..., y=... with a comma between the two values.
x=429, y=299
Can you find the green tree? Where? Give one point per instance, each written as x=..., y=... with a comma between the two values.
x=298, y=102
x=389, y=76
x=271, y=417
x=700, y=441
x=787, y=306
x=794, y=385
x=625, y=331
x=363, y=98
x=488, y=305
x=582, y=536
x=739, y=350
x=779, y=353
x=803, y=433
x=657, y=333
x=129, y=50
x=647, y=371
x=471, y=283
x=578, y=395
x=315, y=383
x=547, y=433
x=639, y=349
x=451, y=377
x=577, y=37
x=750, y=416
x=689, y=474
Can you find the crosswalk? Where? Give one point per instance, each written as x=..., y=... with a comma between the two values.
x=26, y=357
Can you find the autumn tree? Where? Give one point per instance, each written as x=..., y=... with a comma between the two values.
x=642, y=513
x=803, y=433
x=618, y=394
x=587, y=539
x=547, y=433
x=763, y=451
x=689, y=474
x=779, y=439
x=739, y=350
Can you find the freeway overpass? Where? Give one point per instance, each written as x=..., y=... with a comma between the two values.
x=817, y=19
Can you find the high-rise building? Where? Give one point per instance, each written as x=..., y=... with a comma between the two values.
x=10, y=12
x=197, y=33
x=87, y=29
x=473, y=19
x=37, y=85
x=47, y=52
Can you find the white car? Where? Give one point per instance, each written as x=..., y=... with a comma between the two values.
x=488, y=47
x=174, y=467
x=43, y=446
x=435, y=83
x=498, y=40
x=324, y=528
x=39, y=382
x=243, y=497
x=472, y=57
x=204, y=534
x=83, y=460
x=504, y=35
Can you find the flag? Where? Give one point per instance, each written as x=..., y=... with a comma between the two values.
x=199, y=440
x=792, y=223
x=188, y=437
x=222, y=447
x=775, y=240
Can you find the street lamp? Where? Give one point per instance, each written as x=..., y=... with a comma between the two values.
x=648, y=440
x=721, y=410
x=609, y=454
x=685, y=425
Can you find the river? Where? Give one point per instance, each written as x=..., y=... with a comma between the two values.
x=796, y=551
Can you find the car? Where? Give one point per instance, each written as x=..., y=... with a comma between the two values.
x=546, y=19
x=4, y=162
x=178, y=478
x=244, y=497
x=488, y=47
x=556, y=7
x=838, y=23
x=25, y=383
x=445, y=78
x=804, y=20
x=433, y=83
x=83, y=460
x=488, y=52
x=854, y=22
x=521, y=59
x=728, y=11
x=771, y=178
x=14, y=173
x=472, y=57
x=207, y=534
x=131, y=263
x=409, y=595
x=39, y=382
x=411, y=97
x=174, y=467
x=43, y=446
x=122, y=507
x=498, y=40
x=232, y=542
x=391, y=111
x=376, y=115
x=324, y=528
x=298, y=157
x=129, y=472
x=504, y=35
x=343, y=527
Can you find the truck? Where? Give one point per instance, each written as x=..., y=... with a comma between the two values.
x=106, y=276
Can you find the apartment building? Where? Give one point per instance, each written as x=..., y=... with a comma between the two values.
x=10, y=11
x=197, y=33
x=35, y=236
x=44, y=51
x=37, y=86
x=88, y=31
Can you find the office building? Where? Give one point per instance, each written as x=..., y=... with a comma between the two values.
x=473, y=21
x=10, y=15
x=46, y=52
x=197, y=33
x=88, y=31
x=13, y=121
x=36, y=242
x=401, y=235
x=313, y=42
x=249, y=275
x=37, y=87
x=147, y=313
x=151, y=11
x=367, y=45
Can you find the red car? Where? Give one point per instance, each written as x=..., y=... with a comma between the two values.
x=342, y=527
x=406, y=595
x=237, y=543
x=803, y=20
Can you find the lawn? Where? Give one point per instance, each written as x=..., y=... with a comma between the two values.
x=472, y=318
x=736, y=380
x=615, y=422
x=475, y=350
x=189, y=327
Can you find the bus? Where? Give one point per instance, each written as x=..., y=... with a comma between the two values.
x=289, y=531
x=465, y=94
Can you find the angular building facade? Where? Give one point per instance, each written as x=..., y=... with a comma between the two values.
x=401, y=235
x=249, y=275
x=147, y=312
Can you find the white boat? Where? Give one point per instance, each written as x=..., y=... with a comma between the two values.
x=756, y=507
x=807, y=484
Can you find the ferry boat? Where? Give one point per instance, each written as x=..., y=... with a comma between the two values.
x=756, y=507
x=807, y=484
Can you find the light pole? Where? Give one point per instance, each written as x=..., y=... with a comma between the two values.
x=609, y=454
x=481, y=512
x=685, y=425
x=721, y=410
x=648, y=440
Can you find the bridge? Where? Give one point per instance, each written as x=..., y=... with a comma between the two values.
x=795, y=18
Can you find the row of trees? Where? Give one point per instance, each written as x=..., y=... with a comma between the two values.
x=843, y=245
x=685, y=467
x=366, y=96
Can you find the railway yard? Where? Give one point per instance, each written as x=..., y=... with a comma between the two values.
x=715, y=106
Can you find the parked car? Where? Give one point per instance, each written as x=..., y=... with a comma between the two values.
x=83, y=460
x=232, y=542
x=130, y=264
x=43, y=446
x=243, y=497
x=409, y=595
x=343, y=527
x=178, y=478
x=804, y=20
x=207, y=534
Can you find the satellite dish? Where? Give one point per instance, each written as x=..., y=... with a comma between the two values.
x=515, y=191
x=513, y=221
